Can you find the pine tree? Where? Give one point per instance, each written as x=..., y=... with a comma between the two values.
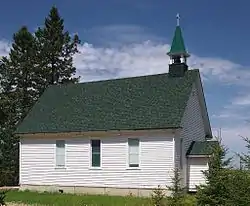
x=56, y=50
x=33, y=63
x=158, y=197
x=245, y=158
x=7, y=95
x=18, y=94
x=215, y=192
x=18, y=75
x=9, y=157
x=177, y=189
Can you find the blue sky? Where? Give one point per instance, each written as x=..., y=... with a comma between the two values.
x=212, y=28
x=130, y=38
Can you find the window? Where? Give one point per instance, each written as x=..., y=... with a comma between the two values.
x=60, y=153
x=96, y=153
x=133, y=145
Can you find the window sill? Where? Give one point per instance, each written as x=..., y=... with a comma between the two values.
x=95, y=168
x=133, y=168
x=60, y=168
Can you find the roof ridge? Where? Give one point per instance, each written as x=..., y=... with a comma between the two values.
x=121, y=78
x=107, y=80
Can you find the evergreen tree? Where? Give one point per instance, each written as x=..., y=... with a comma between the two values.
x=33, y=63
x=215, y=192
x=158, y=197
x=238, y=184
x=245, y=158
x=56, y=50
x=9, y=158
x=7, y=95
x=18, y=76
x=18, y=93
x=177, y=189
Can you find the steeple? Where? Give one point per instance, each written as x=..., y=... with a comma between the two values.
x=178, y=54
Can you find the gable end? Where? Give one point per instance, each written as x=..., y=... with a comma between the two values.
x=203, y=106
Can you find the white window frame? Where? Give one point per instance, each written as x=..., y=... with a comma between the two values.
x=56, y=161
x=90, y=154
x=139, y=153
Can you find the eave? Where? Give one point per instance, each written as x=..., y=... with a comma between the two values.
x=107, y=133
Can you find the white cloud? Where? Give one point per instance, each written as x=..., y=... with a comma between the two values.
x=232, y=137
x=227, y=114
x=150, y=58
x=129, y=60
x=237, y=111
x=243, y=100
x=4, y=47
x=120, y=35
x=139, y=46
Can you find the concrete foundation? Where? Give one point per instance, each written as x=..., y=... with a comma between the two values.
x=140, y=192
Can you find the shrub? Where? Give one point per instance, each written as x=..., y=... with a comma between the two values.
x=2, y=197
x=238, y=187
x=158, y=197
x=215, y=192
x=225, y=185
x=178, y=192
x=188, y=200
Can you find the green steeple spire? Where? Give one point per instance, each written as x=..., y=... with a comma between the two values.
x=178, y=46
x=178, y=54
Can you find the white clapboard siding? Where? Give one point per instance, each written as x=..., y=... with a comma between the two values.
x=192, y=122
x=192, y=129
x=195, y=167
x=156, y=163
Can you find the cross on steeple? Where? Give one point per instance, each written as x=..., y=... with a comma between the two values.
x=178, y=19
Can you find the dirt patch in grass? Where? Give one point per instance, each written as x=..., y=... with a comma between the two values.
x=20, y=204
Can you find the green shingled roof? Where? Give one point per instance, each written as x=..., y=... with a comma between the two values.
x=146, y=102
x=178, y=45
x=201, y=147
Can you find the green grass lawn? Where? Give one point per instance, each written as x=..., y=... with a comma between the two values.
x=58, y=199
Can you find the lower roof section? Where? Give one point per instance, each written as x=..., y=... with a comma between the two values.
x=201, y=148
